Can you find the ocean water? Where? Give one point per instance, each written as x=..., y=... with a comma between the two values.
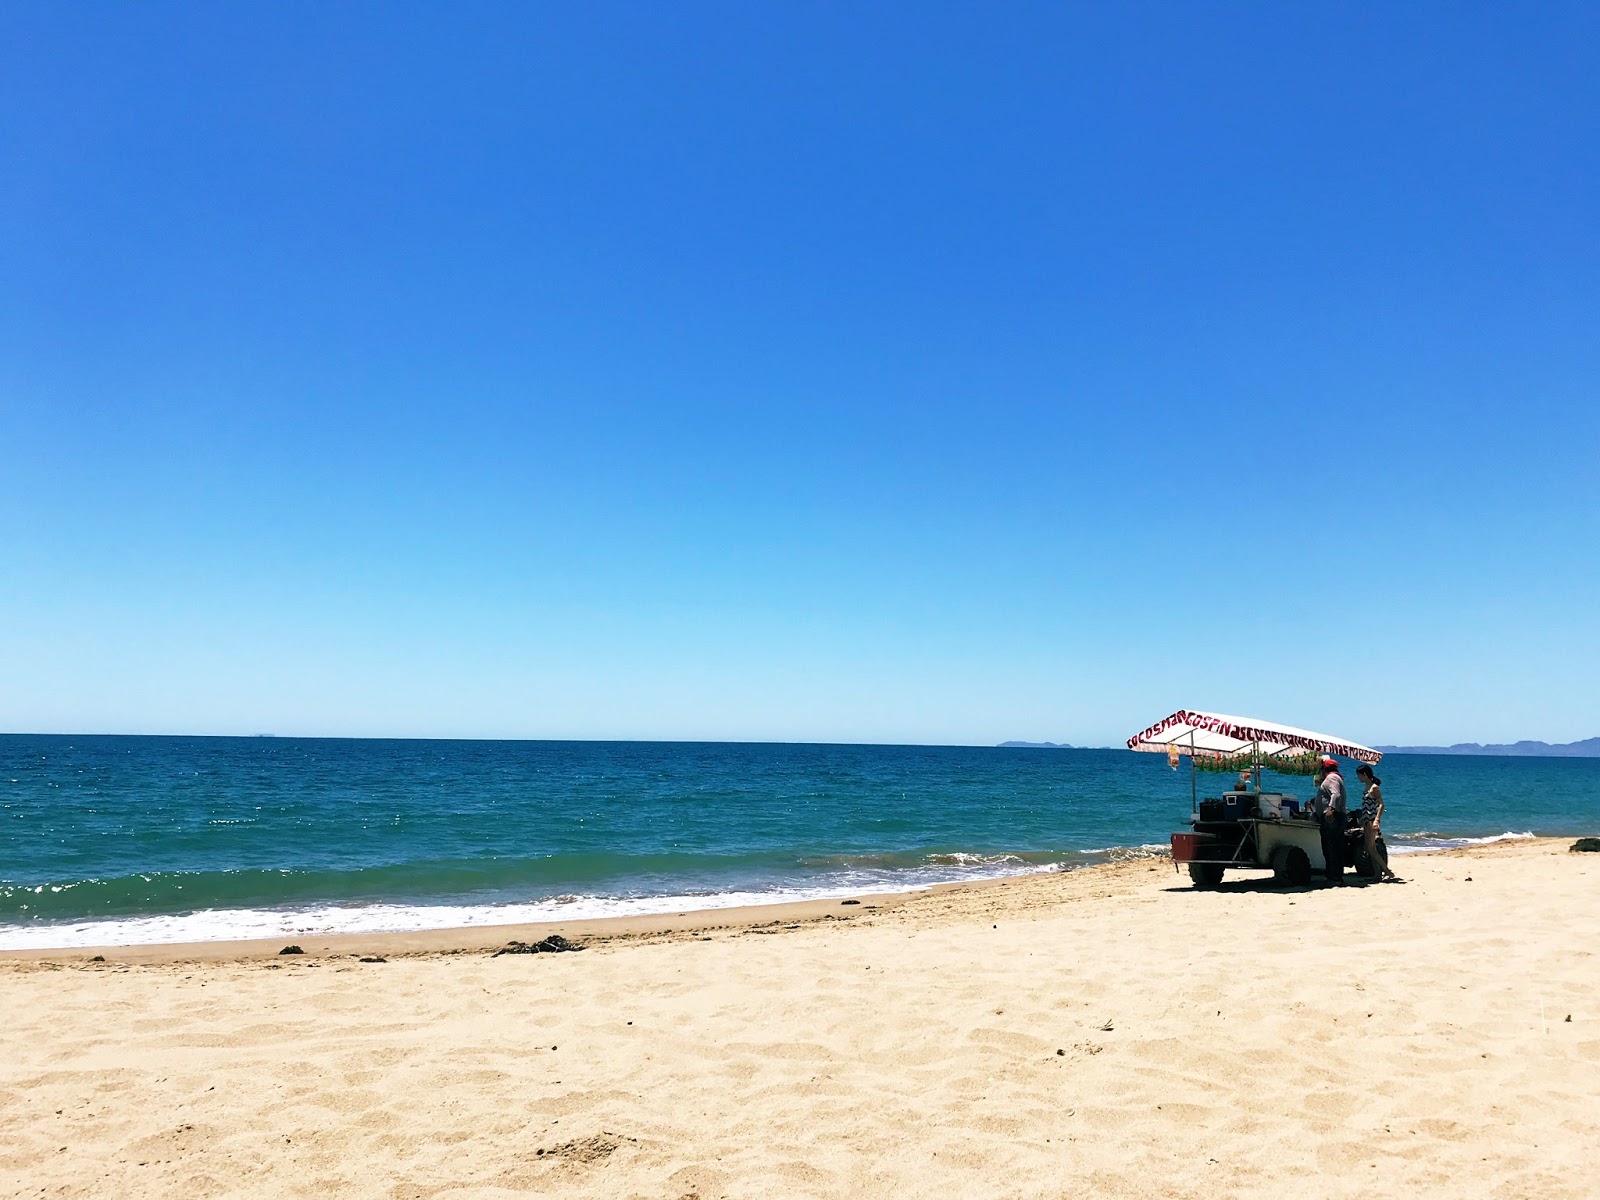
x=116, y=840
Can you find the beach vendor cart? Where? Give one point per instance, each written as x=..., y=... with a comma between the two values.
x=1245, y=828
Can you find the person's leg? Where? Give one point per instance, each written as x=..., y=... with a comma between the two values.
x=1380, y=855
x=1333, y=847
x=1369, y=840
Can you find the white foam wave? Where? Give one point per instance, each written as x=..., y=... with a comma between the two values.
x=215, y=925
x=1420, y=842
x=1146, y=850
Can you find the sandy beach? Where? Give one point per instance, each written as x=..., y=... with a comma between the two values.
x=1107, y=1032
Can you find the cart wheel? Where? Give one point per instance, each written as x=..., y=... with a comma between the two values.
x=1360, y=863
x=1291, y=866
x=1205, y=874
x=1366, y=865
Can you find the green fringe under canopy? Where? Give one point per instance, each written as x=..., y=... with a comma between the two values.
x=1232, y=764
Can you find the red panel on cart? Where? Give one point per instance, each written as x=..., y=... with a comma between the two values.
x=1185, y=846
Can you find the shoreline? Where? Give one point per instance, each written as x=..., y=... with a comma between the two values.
x=464, y=939
x=688, y=905
x=460, y=939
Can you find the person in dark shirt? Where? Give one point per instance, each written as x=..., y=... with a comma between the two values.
x=1330, y=805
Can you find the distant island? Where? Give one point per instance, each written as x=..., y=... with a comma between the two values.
x=1588, y=748
x=1036, y=746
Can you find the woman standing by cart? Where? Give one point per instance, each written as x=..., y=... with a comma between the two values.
x=1371, y=814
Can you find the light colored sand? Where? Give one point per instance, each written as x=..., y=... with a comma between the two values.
x=1105, y=1033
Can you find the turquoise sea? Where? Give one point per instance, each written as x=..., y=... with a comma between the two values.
x=111, y=840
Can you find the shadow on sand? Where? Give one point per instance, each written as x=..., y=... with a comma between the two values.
x=1265, y=883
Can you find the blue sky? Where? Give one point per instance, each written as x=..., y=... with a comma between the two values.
x=913, y=373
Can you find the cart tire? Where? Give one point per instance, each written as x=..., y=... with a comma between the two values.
x=1361, y=863
x=1205, y=875
x=1291, y=866
x=1366, y=867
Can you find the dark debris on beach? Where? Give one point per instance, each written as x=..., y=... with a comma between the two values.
x=586, y=1150
x=554, y=944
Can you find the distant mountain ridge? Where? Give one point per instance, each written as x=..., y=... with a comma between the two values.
x=1587, y=748
x=1036, y=746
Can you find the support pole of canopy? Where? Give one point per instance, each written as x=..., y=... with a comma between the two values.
x=1194, y=787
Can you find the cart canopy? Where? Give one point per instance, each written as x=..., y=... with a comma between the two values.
x=1213, y=735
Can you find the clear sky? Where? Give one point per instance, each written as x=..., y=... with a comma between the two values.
x=812, y=371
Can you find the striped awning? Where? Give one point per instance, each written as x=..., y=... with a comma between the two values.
x=1189, y=731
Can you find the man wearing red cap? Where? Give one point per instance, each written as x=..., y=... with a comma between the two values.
x=1330, y=815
